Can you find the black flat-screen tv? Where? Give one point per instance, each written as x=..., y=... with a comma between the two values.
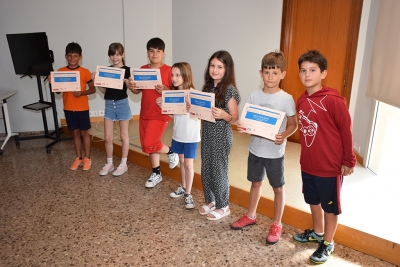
x=30, y=53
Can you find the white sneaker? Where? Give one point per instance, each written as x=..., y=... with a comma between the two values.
x=153, y=180
x=173, y=160
x=120, y=170
x=178, y=192
x=189, y=203
x=106, y=169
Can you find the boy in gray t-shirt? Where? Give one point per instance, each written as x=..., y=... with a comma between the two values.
x=266, y=156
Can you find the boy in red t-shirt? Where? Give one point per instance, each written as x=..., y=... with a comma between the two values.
x=152, y=123
x=76, y=107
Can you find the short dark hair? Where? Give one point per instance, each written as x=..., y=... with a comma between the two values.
x=272, y=60
x=73, y=48
x=314, y=56
x=156, y=43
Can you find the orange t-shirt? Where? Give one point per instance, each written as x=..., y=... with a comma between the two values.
x=71, y=102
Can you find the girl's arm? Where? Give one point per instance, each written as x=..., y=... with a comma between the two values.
x=233, y=110
x=159, y=102
x=102, y=89
x=230, y=117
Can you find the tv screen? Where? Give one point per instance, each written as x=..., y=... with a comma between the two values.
x=30, y=53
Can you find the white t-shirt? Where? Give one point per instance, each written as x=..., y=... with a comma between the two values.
x=282, y=101
x=186, y=129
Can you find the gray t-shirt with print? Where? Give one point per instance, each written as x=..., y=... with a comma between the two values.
x=282, y=101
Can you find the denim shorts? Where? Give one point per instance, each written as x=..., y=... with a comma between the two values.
x=117, y=110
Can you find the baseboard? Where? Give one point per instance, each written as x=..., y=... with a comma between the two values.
x=364, y=242
x=65, y=130
x=359, y=158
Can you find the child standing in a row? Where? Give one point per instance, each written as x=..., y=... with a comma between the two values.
x=217, y=137
x=76, y=107
x=266, y=157
x=116, y=109
x=152, y=123
x=185, y=135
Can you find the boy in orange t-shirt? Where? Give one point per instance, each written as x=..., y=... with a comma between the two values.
x=76, y=107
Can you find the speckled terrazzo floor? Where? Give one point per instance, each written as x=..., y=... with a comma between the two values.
x=51, y=216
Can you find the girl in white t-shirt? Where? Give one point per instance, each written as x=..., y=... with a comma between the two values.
x=186, y=134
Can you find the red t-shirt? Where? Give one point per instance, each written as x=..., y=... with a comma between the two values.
x=149, y=109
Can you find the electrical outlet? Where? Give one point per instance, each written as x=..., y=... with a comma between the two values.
x=93, y=113
x=101, y=113
x=356, y=148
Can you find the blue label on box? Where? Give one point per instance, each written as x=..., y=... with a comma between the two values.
x=110, y=75
x=261, y=118
x=200, y=102
x=174, y=99
x=65, y=79
x=145, y=77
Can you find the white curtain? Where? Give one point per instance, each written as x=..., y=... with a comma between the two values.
x=384, y=73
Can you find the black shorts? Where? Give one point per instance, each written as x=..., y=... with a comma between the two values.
x=77, y=120
x=257, y=168
x=324, y=191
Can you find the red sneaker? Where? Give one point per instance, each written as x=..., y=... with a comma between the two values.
x=242, y=222
x=274, y=234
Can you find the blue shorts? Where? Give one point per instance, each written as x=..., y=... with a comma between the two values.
x=187, y=149
x=77, y=120
x=257, y=168
x=324, y=191
x=117, y=110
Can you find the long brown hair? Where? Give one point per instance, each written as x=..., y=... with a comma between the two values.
x=228, y=79
x=186, y=73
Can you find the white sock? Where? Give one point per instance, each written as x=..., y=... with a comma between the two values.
x=109, y=161
x=123, y=161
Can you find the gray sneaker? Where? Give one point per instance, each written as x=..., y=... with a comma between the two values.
x=324, y=250
x=153, y=180
x=173, y=160
x=309, y=236
x=178, y=192
x=189, y=203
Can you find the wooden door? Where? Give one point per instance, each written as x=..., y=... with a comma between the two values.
x=330, y=26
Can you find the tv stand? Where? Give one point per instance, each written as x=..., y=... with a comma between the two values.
x=42, y=106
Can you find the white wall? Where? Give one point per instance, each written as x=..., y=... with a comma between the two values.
x=192, y=31
x=246, y=29
x=94, y=25
x=361, y=107
x=144, y=20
